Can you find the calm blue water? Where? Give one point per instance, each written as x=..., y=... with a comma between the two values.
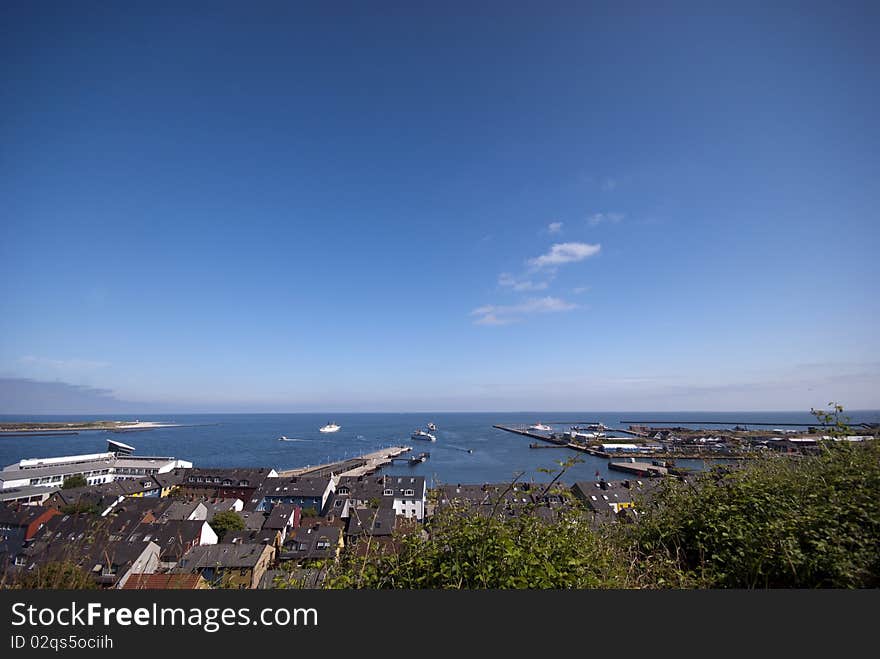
x=252, y=440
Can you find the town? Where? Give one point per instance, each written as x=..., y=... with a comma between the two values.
x=146, y=522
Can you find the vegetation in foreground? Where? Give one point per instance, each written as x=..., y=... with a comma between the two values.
x=779, y=522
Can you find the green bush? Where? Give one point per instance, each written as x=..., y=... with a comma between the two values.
x=225, y=521
x=74, y=481
x=781, y=522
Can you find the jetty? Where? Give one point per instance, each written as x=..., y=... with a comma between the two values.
x=359, y=466
x=639, y=468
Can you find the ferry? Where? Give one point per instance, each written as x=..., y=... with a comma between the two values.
x=330, y=427
x=421, y=434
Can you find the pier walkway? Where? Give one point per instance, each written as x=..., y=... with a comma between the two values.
x=359, y=466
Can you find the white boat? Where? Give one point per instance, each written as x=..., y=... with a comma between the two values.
x=330, y=427
x=283, y=438
x=421, y=434
x=432, y=427
x=541, y=427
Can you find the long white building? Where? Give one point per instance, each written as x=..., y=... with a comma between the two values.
x=115, y=464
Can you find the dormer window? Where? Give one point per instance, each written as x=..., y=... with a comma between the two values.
x=408, y=493
x=343, y=491
x=387, y=492
x=243, y=483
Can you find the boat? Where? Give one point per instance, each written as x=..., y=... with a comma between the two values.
x=283, y=438
x=542, y=427
x=432, y=427
x=418, y=459
x=330, y=427
x=421, y=434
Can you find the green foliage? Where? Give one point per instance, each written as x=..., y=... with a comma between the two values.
x=228, y=520
x=781, y=522
x=63, y=575
x=74, y=481
x=469, y=551
x=80, y=507
x=308, y=512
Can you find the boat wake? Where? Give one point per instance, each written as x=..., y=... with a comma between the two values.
x=292, y=439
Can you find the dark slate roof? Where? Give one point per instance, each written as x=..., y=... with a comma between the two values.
x=236, y=477
x=303, y=543
x=370, y=487
x=174, y=537
x=171, y=478
x=12, y=514
x=221, y=555
x=282, y=515
x=295, y=487
x=598, y=495
x=251, y=537
x=375, y=522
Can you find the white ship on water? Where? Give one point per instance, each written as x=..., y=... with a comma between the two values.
x=541, y=427
x=421, y=434
x=330, y=427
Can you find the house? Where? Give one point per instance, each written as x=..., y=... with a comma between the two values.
x=170, y=481
x=28, y=518
x=406, y=495
x=544, y=500
x=214, y=505
x=283, y=518
x=90, y=543
x=28, y=494
x=318, y=540
x=608, y=498
x=254, y=537
x=238, y=483
x=192, y=509
x=166, y=581
x=374, y=522
x=307, y=493
x=228, y=565
x=174, y=538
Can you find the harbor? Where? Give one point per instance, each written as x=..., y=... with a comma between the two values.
x=352, y=467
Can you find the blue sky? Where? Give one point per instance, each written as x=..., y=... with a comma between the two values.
x=275, y=207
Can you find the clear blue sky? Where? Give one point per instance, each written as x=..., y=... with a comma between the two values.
x=289, y=207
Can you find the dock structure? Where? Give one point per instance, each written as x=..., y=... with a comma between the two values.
x=639, y=468
x=359, y=466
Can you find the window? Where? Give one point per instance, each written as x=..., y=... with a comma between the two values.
x=323, y=544
x=20, y=560
x=337, y=503
x=408, y=493
x=387, y=493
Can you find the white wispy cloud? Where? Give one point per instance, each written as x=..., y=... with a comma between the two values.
x=580, y=289
x=62, y=364
x=505, y=314
x=564, y=253
x=598, y=218
x=507, y=280
x=554, y=227
x=609, y=184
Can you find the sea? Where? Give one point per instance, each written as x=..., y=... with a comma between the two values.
x=468, y=449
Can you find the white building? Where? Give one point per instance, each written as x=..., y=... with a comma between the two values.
x=115, y=464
